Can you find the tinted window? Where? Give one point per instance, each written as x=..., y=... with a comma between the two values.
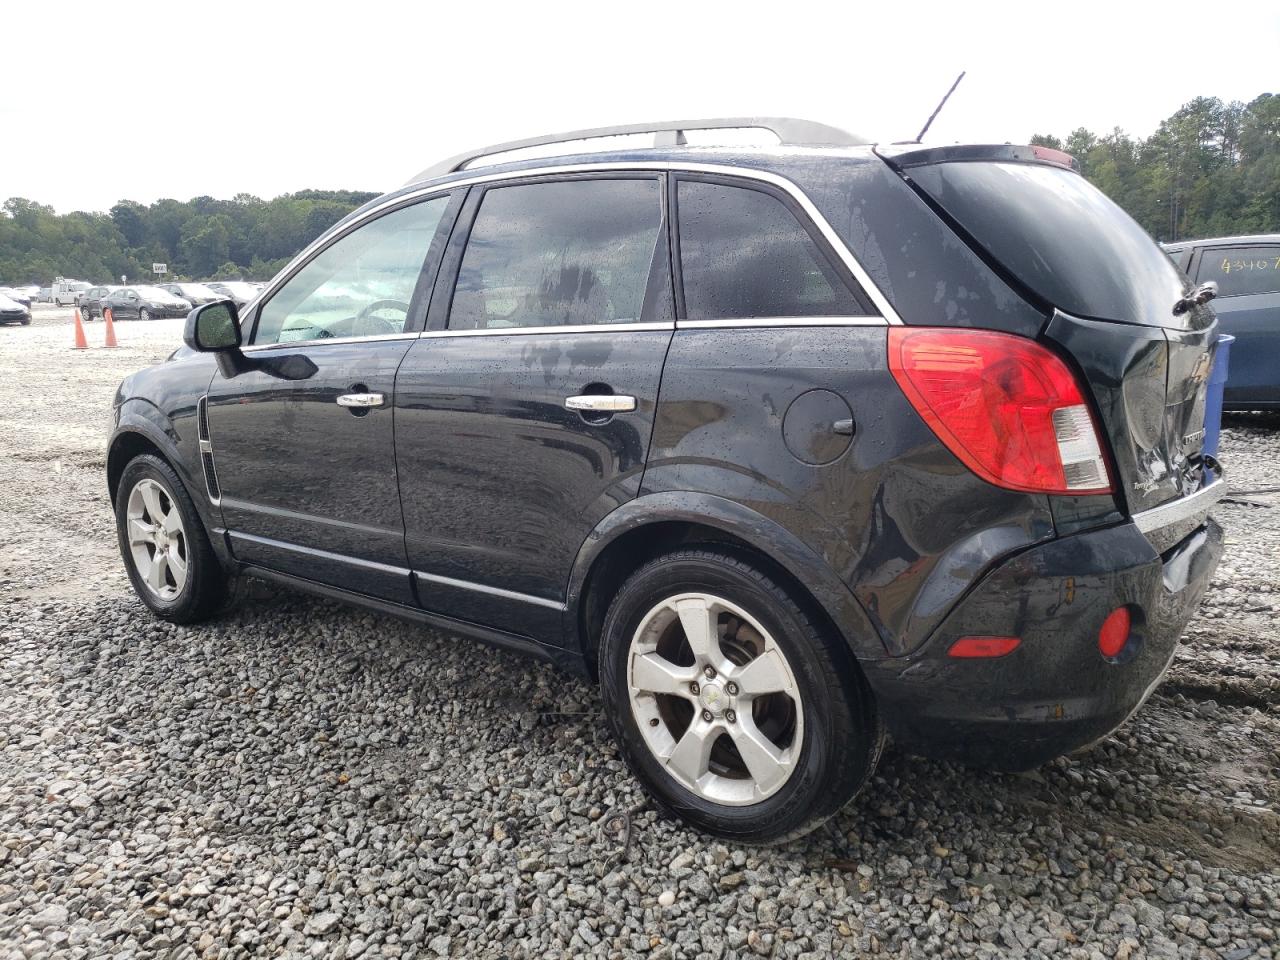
x=1062, y=237
x=743, y=254
x=1241, y=271
x=360, y=286
x=554, y=254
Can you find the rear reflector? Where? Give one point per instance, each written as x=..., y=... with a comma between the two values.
x=974, y=647
x=1006, y=406
x=1115, y=632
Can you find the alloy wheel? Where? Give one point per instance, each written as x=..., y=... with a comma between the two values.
x=157, y=539
x=715, y=699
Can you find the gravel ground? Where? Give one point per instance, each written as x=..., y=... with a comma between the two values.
x=302, y=779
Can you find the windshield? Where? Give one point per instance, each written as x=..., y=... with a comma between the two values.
x=197, y=290
x=1061, y=237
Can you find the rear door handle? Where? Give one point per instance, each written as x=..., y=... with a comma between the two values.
x=361, y=400
x=601, y=403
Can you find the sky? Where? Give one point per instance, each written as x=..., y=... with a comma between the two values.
x=141, y=100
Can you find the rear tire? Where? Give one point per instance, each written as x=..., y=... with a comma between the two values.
x=186, y=584
x=771, y=684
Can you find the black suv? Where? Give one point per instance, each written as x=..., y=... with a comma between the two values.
x=790, y=448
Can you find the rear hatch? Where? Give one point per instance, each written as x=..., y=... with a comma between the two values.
x=1107, y=289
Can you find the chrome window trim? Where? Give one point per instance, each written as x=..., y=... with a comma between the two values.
x=327, y=341
x=1176, y=511
x=878, y=299
x=491, y=591
x=868, y=321
x=566, y=328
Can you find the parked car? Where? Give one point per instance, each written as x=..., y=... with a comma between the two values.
x=193, y=293
x=240, y=291
x=1247, y=272
x=16, y=295
x=11, y=311
x=143, y=303
x=928, y=456
x=45, y=295
x=65, y=292
x=90, y=301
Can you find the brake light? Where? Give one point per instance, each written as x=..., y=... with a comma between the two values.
x=1006, y=406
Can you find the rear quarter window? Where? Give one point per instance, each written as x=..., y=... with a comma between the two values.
x=1241, y=271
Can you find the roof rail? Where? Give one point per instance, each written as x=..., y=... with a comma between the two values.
x=666, y=134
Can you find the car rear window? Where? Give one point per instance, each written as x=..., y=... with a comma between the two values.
x=1241, y=271
x=1060, y=237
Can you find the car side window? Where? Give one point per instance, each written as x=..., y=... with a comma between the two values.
x=1241, y=271
x=558, y=253
x=359, y=286
x=744, y=255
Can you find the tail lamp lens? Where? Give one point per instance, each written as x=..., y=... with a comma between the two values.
x=1115, y=632
x=1006, y=406
x=983, y=647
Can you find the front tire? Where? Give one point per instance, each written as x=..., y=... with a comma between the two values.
x=731, y=700
x=144, y=315
x=164, y=545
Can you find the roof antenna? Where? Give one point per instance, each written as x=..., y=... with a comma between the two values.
x=938, y=109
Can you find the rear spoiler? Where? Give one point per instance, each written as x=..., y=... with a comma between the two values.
x=904, y=155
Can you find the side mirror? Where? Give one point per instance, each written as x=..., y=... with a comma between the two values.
x=213, y=327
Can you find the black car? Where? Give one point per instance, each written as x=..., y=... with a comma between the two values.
x=11, y=311
x=194, y=293
x=20, y=297
x=143, y=303
x=788, y=448
x=1247, y=273
x=90, y=301
x=240, y=291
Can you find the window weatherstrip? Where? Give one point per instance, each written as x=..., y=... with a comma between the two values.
x=859, y=321
x=842, y=251
x=566, y=328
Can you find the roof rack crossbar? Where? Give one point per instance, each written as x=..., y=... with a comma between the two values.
x=666, y=134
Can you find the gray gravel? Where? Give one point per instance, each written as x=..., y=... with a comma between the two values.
x=302, y=779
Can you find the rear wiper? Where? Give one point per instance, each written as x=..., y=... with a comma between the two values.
x=1197, y=297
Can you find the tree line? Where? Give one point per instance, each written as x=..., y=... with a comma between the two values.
x=1211, y=169
x=200, y=239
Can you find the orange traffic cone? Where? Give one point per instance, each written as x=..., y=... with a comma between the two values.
x=81, y=342
x=111, y=330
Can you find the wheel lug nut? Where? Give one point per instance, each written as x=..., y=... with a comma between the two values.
x=707, y=716
x=710, y=673
x=693, y=687
x=730, y=716
x=732, y=688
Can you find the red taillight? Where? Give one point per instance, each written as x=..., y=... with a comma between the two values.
x=973, y=647
x=1115, y=632
x=1006, y=406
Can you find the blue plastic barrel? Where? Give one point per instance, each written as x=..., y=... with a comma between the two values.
x=1213, y=397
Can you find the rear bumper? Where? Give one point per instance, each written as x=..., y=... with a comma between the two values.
x=1055, y=692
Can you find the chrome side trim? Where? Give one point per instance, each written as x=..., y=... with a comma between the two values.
x=327, y=341
x=313, y=552
x=567, y=328
x=637, y=166
x=1185, y=508
x=491, y=591
x=784, y=322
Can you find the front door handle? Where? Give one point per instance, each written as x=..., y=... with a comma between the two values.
x=601, y=403
x=362, y=400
